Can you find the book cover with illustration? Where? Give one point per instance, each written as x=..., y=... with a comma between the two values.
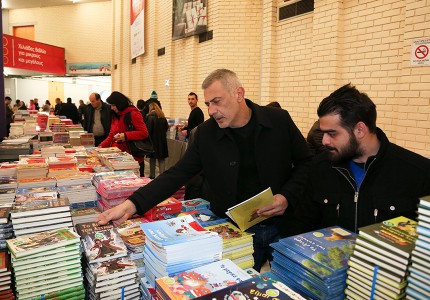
x=111, y=269
x=176, y=230
x=48, y=206
x=101, y=242
x=200, y=281
x=398, y=234
x=245, y=214
x=195, y=204
x=39, y=242
x=264, y=286
x=168, y=206
x=329, y=247
x=230, y=234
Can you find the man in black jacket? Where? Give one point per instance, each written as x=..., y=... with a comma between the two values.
x=196, y=116
x=242, y=149
x=362, y=178
x=97, y=118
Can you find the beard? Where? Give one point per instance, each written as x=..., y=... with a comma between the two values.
x=346, y=153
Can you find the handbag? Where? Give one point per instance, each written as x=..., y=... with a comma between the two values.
x=138, y=148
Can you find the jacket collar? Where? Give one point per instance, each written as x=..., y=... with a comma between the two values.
x=261, y=119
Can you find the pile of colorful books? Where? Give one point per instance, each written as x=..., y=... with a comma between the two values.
x=32, y=167
x=419, y=276
x=379, y=264
x=176, y=245
x=6, y=229
x=109, y=271
x=315, y=263
x=119, y=161
x=64, y=164
x=47, y=263
x=53, y=151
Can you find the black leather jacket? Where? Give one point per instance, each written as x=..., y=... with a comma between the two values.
x=394, y=180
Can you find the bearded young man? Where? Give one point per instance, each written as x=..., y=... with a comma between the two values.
x=362, y=178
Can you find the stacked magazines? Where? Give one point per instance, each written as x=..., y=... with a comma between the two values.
x=47, y=263
x=109, y=271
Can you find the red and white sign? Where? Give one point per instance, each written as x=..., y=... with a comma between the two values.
x=137, y=20
x=26, y=54
x=420, y=52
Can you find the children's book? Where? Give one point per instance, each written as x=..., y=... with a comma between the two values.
x=245, y=214
x=39, y=242
x=329, y=247
x=101, y=243
x=44, y=207
x=174, y=231
x=195, y=204
x=230, y=234
x=201, y=281
x=168, y=206
x=398, y=235
x=112, y=268
x=264, y=286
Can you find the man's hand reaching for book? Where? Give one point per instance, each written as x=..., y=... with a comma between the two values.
x=118, y=214
x=277, y=208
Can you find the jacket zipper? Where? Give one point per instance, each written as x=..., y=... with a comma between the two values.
x=356, y=193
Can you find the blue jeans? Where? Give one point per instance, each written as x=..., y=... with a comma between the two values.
x=264, y=235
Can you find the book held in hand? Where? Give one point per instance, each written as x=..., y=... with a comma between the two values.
x=245, y=214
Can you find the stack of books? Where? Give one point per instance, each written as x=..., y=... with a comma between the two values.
x=87, y=139
x=8, y=182
x=80, y=196
x=16, y=128
x=379, y=264
x=119, y=161
x=168, y=206
x=112, y=175
x=115, y=191
x=195, y=204
x=47, y=262
x=315, y=263
x=237, y=244
x=267, y=285
x=6, y=291
x=36, y=182
x=8, y=169
x=53, y=151
x=74, y=138
x=39, y=216
x=32, y=167
x=201, y=281
x=61, y=138
x=6, y=229
x=84, y=215
x=7, y=195
x=34, y=194
x=74, y=178
x=419, y=276
x=65, y=164
x=106, y=259
x=176, y=245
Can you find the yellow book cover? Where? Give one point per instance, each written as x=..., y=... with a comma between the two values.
x=245, y=215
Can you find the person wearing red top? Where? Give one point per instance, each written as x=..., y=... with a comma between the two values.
x=118, y=135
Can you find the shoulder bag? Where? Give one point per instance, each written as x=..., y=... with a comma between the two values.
x=139, y=148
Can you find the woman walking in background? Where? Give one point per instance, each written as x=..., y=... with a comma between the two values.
x=125, y=112
x=157, y=126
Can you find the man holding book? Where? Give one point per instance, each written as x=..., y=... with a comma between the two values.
x=362, y=178
x=242, y=149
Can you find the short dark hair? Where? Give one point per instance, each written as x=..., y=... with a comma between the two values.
x=352, y=106
x=193, y=94
x=8, y=98
x=119, y=100
x=274, y=104
x=69, y=100
x=140, y=104
x=97, y=95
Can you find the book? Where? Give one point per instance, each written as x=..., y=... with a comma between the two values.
x=330, y=247
x=174, y=231
x=398, y=235
x=112, y=269
x=245, y=214
x=265, y=286
x=195, y=204
x=169, y=206
x=371, y=248
x=39, y=242
x=230, y=234
x=31, y=209
x=4, y=265
x=4, y=214
x=200, y=281
x=101, y=243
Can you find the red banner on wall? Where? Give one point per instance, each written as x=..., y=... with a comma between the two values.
x=30, y=55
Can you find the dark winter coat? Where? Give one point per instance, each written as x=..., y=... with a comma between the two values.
x=105, y=115
x=395, y=178
x=282, y=158
x=157, y=128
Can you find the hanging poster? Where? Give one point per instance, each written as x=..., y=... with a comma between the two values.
x=189, y=18
x=137, y=24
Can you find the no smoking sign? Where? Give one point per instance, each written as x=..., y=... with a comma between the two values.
x=420, y=52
